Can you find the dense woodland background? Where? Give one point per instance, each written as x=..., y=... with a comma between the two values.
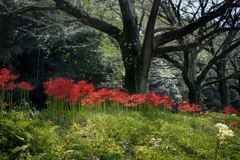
x=188, y=50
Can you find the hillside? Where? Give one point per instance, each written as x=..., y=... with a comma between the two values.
x=119, y=134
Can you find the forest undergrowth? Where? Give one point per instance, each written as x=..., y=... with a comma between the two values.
x=80, y=122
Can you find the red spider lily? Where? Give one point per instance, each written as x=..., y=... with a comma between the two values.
x=135, y=100
x=234, y=124
x=25, y=86
x=230, y=110
x=6, y=76
x=10, y=86
x=118, y=96
x=186, y=107
x=81, y=89
x=59, y=87
x=155, y=100
x=97, y=97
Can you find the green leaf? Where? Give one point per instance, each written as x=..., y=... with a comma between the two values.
x=23, y=124
x=8, y=122
x=19, y=148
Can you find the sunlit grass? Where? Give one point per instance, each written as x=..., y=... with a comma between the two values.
x=122, y=134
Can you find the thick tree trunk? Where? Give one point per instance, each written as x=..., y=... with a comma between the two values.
x=222, y=85
x=221, y=73
x=195, y=96
x=147, y=49
x=189, y=77
x=137, y=59
x=239, y=85
x=224, y=94
x=130, y=45
x=130, y=58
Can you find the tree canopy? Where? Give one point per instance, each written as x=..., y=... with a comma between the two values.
x=198, y=37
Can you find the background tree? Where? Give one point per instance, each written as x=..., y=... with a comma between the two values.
x=133, y=29
x=193, y=72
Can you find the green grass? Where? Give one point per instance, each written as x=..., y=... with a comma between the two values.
x=121, y=134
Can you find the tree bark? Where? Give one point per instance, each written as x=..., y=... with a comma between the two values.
x=148, y=49
x=130, y=45
x=238, y=85
x=222, y=85
x=223, y=88
x=195, y=96
x=189, y=77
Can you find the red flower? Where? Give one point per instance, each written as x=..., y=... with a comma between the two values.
x=97, y=97
x=59, y=87
x=135, y=100
x=186, y=107
x=234, y=124
x=230, y=110
x=25, y=86
x=81, y=89
x=6, y=76
x=118, y=96
x=10, y=86
x=155, y=100
x=105, y=94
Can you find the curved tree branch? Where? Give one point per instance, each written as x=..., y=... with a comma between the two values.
x=223, y=79
x=78, y=13
x=163, y=50
x=173, y=61
x=84, y=18
x=178, y=33
x=205, y=70
x=28, y=9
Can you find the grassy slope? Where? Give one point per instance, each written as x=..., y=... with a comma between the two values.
x=119, y=135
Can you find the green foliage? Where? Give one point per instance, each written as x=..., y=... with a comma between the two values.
x=117, y=135
x=112, y=58
x=24, y=136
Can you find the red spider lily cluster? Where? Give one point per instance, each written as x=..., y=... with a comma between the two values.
x=230, y=110
x=61, y=88
x=6, y=81
x=7, y=84
x=58, y=88
x=25, y=86
x=85, y=93
x=6, y=76
x=184, y=106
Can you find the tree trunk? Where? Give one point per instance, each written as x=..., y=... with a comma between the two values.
x=189, y=77
x=239, y=85
x=147, y=49
x=221, y=73
x=130, y=45
x=195, y=96
x=224, y=94
x=130, y=58
x=222, y=85
x=137, y=59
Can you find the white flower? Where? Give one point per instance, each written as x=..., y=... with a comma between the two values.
x=224, y=132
